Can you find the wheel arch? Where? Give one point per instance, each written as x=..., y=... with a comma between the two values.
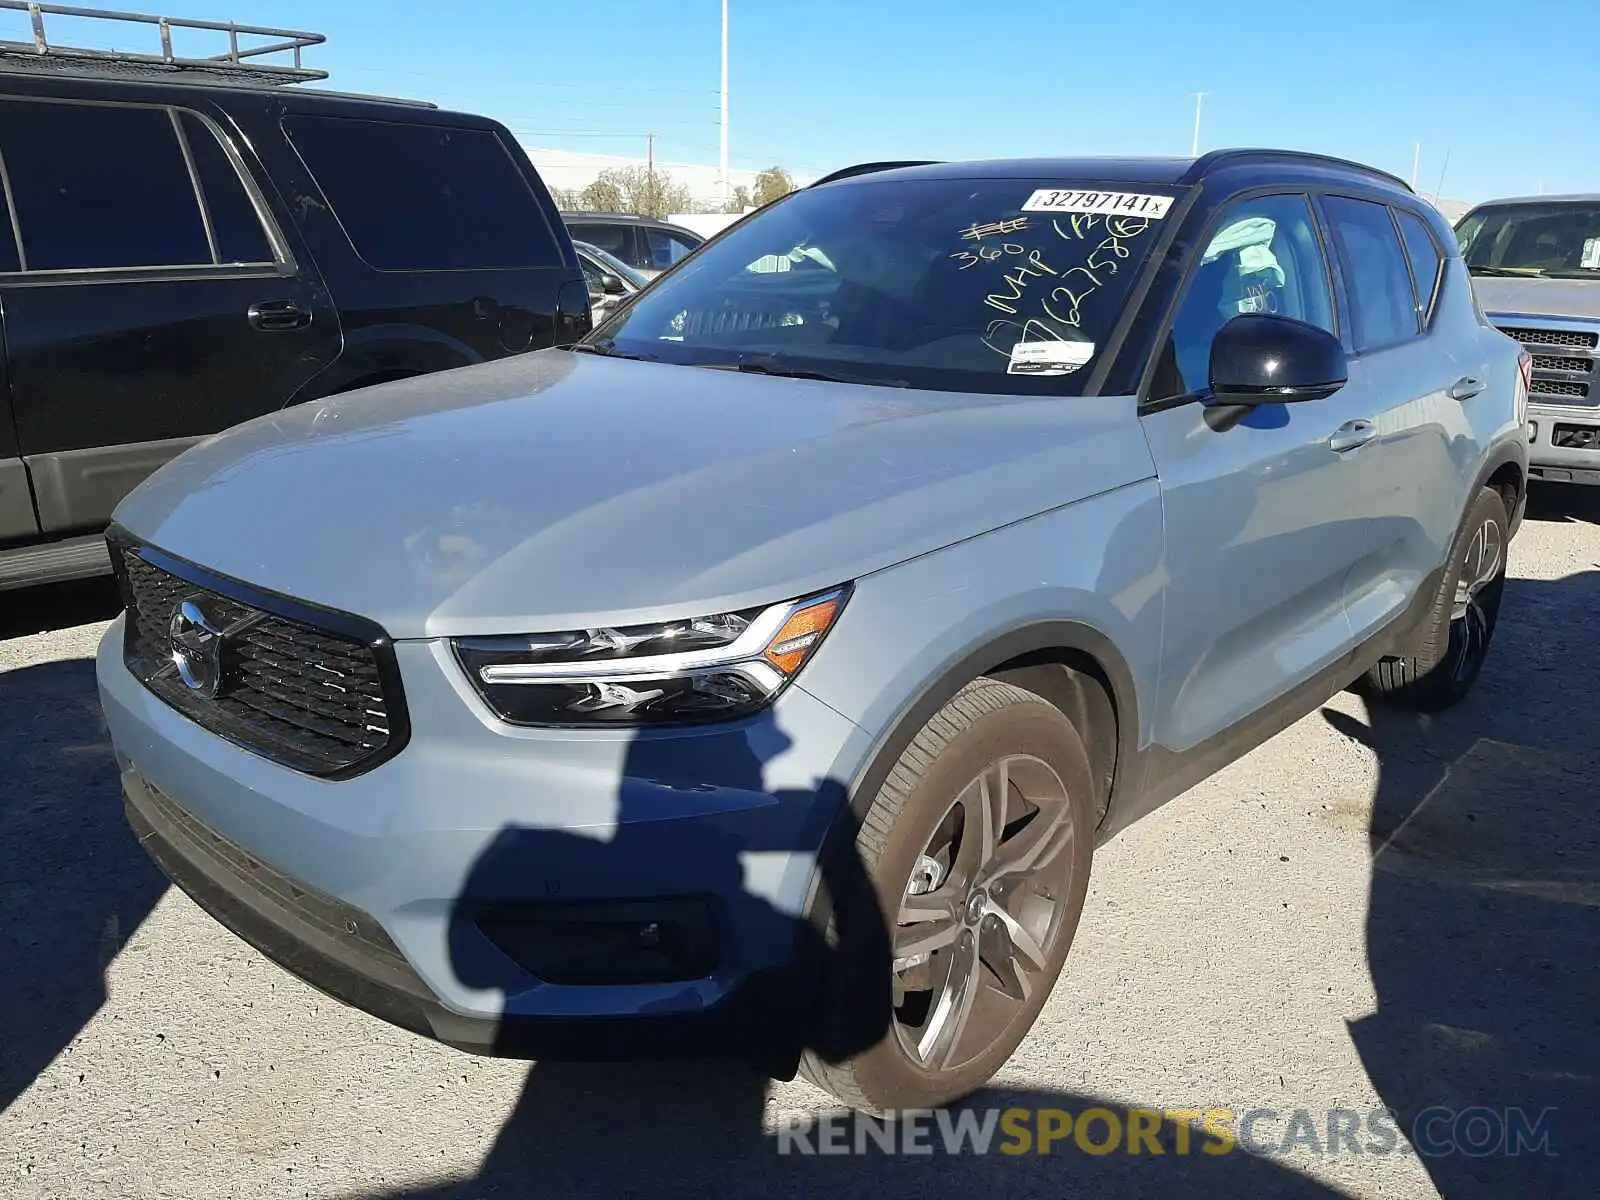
x=1070, y=664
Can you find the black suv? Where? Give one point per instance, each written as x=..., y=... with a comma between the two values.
x=644, y=243
x=184, y=250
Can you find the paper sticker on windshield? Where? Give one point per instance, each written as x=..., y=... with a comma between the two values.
x=1048, y=357
x=1591, y=254
x=1116, y=204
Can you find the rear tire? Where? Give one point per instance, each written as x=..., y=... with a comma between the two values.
x=1462, y=621
x=978, y=846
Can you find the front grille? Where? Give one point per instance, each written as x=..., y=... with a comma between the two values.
x=1561, y=379
x=321, y=701
x=1558, y=387
x=1577, y=365
x=1578, y=339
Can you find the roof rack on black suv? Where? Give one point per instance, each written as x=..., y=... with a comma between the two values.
x=269, y=245
x=239, y=63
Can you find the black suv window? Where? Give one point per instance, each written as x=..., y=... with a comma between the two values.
x=1261, y=256
x=666, y=247
x=1423, y=252
x=100, y=186
x=425, y=197
x=613, y=239
x=234, y=223
x=1376, y=274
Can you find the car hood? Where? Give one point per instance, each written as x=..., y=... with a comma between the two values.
x=1538, y=297
x=557, y=490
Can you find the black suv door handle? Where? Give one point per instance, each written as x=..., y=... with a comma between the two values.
x=270, y=316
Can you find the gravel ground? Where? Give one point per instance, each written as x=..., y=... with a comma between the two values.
x=1369, y=912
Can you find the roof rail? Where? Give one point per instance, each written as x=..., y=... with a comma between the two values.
x=236, y=65
x=1213, y=159
x=868, y=168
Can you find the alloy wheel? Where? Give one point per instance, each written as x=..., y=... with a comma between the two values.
x=1473, y=612
x=982, y=912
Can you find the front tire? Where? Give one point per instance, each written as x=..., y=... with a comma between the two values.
x=978, y=846
x=1462, y=622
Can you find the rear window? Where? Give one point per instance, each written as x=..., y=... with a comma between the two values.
x=996, y=285
x=425, y=197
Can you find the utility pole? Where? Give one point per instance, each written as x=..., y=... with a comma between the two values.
x=650, y=156
x=1194, y=146
x=723, y=162
x=1416, y=163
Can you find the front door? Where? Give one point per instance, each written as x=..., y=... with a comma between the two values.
x=1264, y=518
x=153, y=302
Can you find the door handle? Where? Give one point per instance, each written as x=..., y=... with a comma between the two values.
x=1466, y=388
x=270, y=316
x=1351, y=435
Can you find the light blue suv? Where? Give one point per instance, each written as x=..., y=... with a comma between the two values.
x=755, y=677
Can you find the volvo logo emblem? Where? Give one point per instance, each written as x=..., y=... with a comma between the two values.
x=196, y=636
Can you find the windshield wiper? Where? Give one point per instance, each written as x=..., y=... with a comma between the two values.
x=759, y=367
x=1512, y=272
x=605, y=349
x=1574, y=273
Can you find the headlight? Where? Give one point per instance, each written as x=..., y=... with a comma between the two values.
x=705, y=669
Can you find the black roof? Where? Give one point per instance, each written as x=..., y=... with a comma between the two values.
x=1168, y=172
x=630, y=218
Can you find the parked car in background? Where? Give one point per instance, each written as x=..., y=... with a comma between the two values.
x=1535, y=264
x=644, y=243
x=610, y=280
x=756, y=677
x=264, y=244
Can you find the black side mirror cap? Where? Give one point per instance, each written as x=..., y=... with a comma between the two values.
x=612, y=285
x=1258, y=358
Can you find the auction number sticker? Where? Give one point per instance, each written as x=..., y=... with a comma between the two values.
x=1048, y=357
x=1117, y=204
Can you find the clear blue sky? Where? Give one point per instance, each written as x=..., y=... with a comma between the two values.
x=816, y=84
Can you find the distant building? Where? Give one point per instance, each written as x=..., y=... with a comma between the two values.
x=574, y=170
x=1453, y=210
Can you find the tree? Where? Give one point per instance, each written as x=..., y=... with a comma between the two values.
x=603, y=195
x=739, y=201
x=567, y=199
x=637, y=190
x=772, y=184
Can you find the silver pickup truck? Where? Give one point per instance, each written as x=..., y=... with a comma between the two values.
x=1535, y=266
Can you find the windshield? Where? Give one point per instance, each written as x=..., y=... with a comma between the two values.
x=1533, y=239
x=958, y=285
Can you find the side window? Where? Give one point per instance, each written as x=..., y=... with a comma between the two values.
x=1423, y=252
x=1263, y=256
x=100, y=186
x=665, y=248
x=613, y=239
x=425, y=197
x=234, y=223
x=1377, y=278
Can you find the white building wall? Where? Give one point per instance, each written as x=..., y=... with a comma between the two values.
x=575, y=170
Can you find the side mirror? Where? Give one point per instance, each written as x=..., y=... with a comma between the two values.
x=612, y=285
x=1257, y=358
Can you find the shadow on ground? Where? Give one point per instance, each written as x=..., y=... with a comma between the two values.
x=697, y=1130
x=1484, y=917
x=26, y=611
x=73, y=883
x=1564, y=502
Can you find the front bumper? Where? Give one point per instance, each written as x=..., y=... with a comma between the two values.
x=392, y=891
x=1569, y=463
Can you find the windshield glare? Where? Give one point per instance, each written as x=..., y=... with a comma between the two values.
x=942, y=284
x=1534, y=239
